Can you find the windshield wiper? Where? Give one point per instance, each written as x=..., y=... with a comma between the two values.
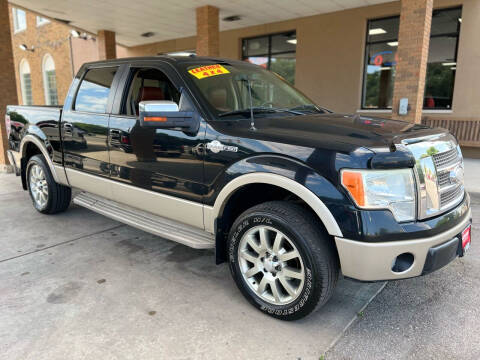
x=310, y=107
x=259, y=109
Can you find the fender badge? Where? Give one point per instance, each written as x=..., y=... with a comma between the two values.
x=216, y=146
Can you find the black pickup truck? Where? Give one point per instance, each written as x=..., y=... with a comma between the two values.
x=216, y=153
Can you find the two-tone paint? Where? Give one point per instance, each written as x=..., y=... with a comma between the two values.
x=175, y=174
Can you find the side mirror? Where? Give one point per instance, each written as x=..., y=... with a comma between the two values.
x=165, y=115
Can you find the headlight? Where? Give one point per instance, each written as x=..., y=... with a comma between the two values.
x=382, y=189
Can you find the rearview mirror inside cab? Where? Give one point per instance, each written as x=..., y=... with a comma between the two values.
x=165, y=114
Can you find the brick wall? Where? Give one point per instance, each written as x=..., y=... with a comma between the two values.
x=51, y=38
x=413, y=45
x=106, y=45
x=208, y=38
x=7, y=80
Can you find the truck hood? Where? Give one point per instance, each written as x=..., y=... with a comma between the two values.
x=338, y=132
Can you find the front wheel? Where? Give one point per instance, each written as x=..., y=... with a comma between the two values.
x=48, y=197
x=282, y=260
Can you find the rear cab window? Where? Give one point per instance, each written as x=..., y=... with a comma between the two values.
x=94, y=90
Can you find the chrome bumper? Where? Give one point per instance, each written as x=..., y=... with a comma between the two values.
x=373, y=261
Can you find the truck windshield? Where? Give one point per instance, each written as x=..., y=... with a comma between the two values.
x=225, y=88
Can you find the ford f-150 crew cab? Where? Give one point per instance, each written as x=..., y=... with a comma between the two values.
x=216, y=153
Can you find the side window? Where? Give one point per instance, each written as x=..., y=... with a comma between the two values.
x=148, y=84
x=92, y=95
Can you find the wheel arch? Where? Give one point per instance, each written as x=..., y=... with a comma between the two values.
x=32, y=145
x=214, y=215
x=312, y=200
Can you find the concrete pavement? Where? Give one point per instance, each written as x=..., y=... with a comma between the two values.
x=80, y=286
x=430, y=317
x=472, y=175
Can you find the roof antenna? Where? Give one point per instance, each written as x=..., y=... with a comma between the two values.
x=252, y=118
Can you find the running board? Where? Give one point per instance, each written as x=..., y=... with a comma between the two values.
x=160, y=226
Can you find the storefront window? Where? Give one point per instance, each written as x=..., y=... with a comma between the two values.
x=273, y=52
x=381, y=59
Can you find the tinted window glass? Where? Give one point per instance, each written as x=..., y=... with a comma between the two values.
x=273, y=52
x=381, y=61
x=94, y=90
x=148, y=85
x=228, y=90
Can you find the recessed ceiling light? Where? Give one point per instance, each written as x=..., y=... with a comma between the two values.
x=148, y=34
x=393, y=43
x=232, y=18
x=75, y=33
x=376, y=31
x=292, y=41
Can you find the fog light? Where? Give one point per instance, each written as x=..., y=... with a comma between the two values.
x=402, y=262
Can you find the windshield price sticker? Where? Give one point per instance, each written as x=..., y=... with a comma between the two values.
x=208, y=71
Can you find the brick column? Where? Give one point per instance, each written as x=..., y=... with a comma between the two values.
x=106, y=45
x=208, y=42
x=8, y=89
x=413, y=45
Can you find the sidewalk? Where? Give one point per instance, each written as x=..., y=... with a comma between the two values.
x=472, y=175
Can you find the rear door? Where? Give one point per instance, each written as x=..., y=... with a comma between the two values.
x=84, y=124
x=161, y=168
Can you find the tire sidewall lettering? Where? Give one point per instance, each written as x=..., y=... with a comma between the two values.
x=279, y=310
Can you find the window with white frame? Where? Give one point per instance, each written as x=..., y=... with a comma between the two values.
x=26, y=83
x=19, y=19
x=49, y=81
x=42, y=21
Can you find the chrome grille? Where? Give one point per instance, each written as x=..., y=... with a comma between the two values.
x=450, y=196
x=443, y=178
x=439, y=173
x=445, y=158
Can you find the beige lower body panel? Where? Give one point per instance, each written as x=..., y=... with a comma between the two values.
x=184, y=211
x=373, y=261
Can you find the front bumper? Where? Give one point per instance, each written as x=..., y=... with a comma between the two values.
x=373, y=261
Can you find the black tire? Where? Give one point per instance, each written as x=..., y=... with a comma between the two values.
x=59, y=196
x=317, y=250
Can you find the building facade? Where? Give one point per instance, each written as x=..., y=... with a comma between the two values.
x=343, y=60
x=346, y=60
x=42, y=58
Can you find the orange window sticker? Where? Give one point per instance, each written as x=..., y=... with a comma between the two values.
x=208, y=71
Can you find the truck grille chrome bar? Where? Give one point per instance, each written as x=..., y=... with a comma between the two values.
x=439, y=175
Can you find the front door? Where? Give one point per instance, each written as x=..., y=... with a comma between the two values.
x=160, y=169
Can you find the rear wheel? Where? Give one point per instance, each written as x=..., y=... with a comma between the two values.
x=282, y=261
x=48, y=197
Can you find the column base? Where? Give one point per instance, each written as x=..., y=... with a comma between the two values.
x=6, y=169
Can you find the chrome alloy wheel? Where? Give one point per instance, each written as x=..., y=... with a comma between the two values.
x=38, y=186
x=271, y=265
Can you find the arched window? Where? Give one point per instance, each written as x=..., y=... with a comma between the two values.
x=49, y=80
x=26, y=83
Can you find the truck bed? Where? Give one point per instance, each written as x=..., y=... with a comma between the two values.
x=21, y=117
